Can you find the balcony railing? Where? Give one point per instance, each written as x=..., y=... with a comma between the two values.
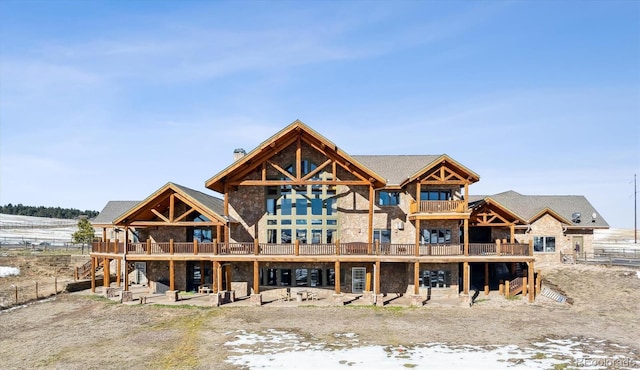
x=297, y=249
x=438, y=206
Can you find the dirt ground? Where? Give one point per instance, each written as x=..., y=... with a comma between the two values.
x=79, y=331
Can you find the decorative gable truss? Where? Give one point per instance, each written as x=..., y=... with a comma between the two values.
x=446, y=171
x=169, y=206
x=296, y=136
x=492, y=214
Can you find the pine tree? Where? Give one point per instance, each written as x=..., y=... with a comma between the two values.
x=85, y=233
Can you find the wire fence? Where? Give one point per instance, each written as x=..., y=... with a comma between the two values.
x=25, y=292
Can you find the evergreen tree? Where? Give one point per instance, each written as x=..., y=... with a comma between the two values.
x=85, y=233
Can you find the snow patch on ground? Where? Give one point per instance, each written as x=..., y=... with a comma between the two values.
x=274, y=349
x=9, y=271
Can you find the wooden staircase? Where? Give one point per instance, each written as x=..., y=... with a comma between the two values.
x=84, y=271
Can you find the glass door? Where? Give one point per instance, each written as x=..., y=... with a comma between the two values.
x=358, y=275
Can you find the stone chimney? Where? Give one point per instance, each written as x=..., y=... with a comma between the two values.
x=238, y=153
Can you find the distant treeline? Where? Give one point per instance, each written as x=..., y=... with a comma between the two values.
x=52, y=212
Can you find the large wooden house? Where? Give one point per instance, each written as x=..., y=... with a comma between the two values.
x=297, y=211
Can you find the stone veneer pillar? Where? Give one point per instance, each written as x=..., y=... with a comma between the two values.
x=416, y=300
x=255, y=299
x=379, y=300
x=338, y=299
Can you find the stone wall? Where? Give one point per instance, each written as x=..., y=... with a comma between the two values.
x=158, y=272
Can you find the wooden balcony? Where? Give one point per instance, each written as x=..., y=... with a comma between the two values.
x=297, y=249
x=438, y=206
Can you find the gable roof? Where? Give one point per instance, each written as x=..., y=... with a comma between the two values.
x=285, y=136
x=112, y=210
x=401, y=169
x=209, y=206
x=562, y=207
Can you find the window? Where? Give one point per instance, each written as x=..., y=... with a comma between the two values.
x=435, y=236
x=388, y=198
x=544, y=244
x=435, y=278
x=305, y=213
x=435, y=195
x=382, y=235
x=201, y=233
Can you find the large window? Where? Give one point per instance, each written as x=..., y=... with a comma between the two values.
x=306, y=213
x=544, y=244
x=435, y=278
x=201, y=233
x=389, y=198
x=435, y=236
x=435, y=195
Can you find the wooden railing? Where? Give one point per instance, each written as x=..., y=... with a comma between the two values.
x=437, y=206
x=298, y=249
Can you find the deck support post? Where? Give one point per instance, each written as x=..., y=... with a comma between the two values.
x=256, y=277
x=118, y=272
x=93, y=274
x=215, y=277
x=367, y=286
x=531, y=282
x=465, y=234
x=126, y=274
x=337, y=277
x=106, y=272
x=416, y=278
x=372, y=195
x=486, y=278
x=465, y=277
x=377, y=293
x=172, y=275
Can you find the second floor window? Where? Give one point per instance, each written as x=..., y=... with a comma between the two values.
x=389, y=198
x=435, y=195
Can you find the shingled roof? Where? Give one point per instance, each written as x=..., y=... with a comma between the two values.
x=214, y=204
x=112, y=210
x=396, y=168
x=529, y=207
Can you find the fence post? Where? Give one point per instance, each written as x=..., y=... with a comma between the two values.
x=55, y=285
x=36, y=290
x=215, y=246
x=195, y=246
x=148, y=246
x=501, y=287
x=296, y=247
x=170, y=246
x=377, y=247
x=497, y=247
x=337, y=247
x=256, y=247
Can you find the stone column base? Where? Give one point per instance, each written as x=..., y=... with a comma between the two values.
x=255, y=299
x=367, y=296
x=416, y=300
x=216, y=299
x=111, y=292
x=338, y=299
x=379, y=300
x=127, y=296
x=172, y=295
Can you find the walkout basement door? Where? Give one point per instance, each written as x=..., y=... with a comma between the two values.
x=358, y=275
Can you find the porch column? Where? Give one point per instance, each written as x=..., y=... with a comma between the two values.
x=118, y=272
x=336, y=274
x=214, y=276
x=172, y=275
x=106, y=273
x=465, y=234
x=219, y=278
x=227, y=271
x=416, y=278
x=465, y=278
x=126, y=274
x=367, y=287
x=532, y=290
x=418, y=236
x=93, y=274
x=377, y=278
x=486, y=278
x=256, y=277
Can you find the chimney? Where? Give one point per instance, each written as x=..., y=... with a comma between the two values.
x=238, y=153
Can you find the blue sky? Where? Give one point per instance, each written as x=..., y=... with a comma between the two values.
x=110, y=100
